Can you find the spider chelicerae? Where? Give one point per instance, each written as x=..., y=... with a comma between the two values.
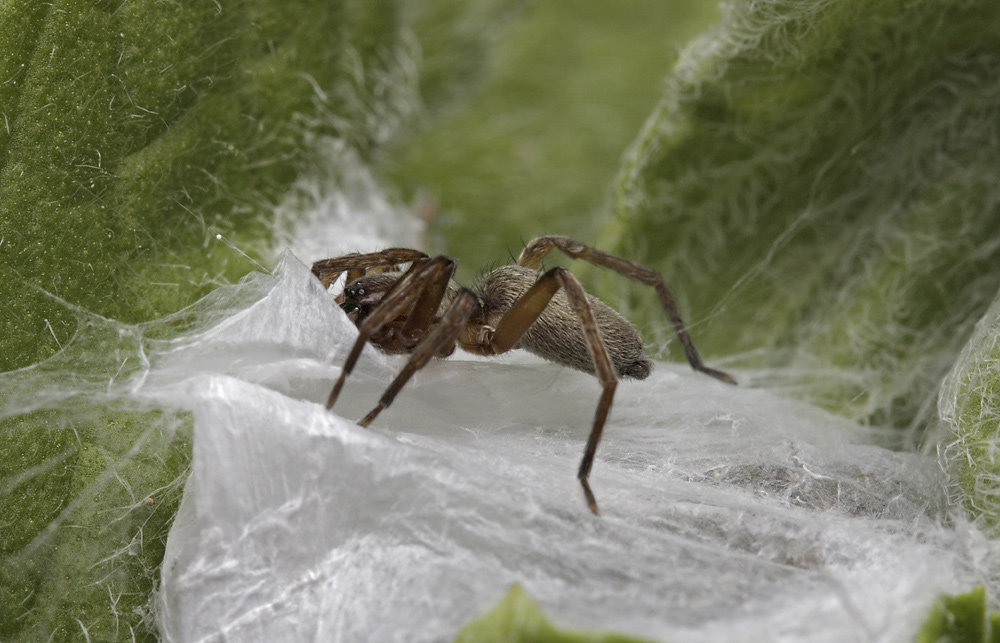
x=422, y=311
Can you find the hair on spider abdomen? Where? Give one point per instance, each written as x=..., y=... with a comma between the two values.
x=556, y=334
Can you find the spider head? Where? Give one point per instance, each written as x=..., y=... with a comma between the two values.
x=363, y=295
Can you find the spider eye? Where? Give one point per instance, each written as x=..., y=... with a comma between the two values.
x=359, y=291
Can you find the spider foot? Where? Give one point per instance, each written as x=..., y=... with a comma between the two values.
x=591, y=500
x=719, y=375
x=368, y=419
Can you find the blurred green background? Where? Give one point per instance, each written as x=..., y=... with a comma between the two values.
x=533, y=142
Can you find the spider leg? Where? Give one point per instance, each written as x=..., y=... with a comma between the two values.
x=328, y=270
x=394, y=303
x=440, y=341
x=523, y=314
x=424, y=311
x=538, y=248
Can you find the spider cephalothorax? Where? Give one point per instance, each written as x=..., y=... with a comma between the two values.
x=424, y=312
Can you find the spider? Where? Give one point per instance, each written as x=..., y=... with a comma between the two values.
x=422, y=311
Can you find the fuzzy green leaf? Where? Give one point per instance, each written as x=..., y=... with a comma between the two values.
x=518, y=619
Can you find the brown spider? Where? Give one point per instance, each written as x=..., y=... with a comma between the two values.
x=423, y=311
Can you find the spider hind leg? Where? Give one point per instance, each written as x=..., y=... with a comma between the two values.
x=538, y=248
x=523, y=314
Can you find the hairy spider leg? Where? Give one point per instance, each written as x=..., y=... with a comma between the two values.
x=393, y=304
x=356, y=265
x=440, y=341
x=516, y=321
x=425, y=310
x=538, y=248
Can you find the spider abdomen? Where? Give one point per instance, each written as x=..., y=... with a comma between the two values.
x=556, y=335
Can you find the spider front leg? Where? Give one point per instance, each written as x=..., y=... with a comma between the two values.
x=525, y=311
x=424, y=276
x=538, y=248
x=440, y=341
x=356, y=265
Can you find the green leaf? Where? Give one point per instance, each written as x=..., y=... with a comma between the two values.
x=518, y=619
x=143, y=146
x=818, y=187
x=962, y=618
